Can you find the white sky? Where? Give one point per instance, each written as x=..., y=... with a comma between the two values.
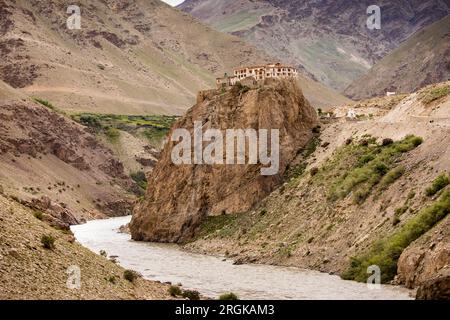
x=173, y=2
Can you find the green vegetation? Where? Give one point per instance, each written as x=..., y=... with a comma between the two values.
x=38, y=214
x=112, y=134
x=223, y=224
x=48, y=241
x=175, y=291
x=48, y=105
x=191, y=294
x=385, y=253
x=152, y=127
x=140, y=178
x=359, y=167
x=438, y=184
x=434, y=94
x=306, y=152
x=228, y=296
x=130, y=275
x=391, y=176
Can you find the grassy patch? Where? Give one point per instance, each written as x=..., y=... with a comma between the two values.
x=48, y=105
x=437, y=185
x=152, y=127
x=385, y=253
x=434, y=94
x=391, y=176
x=360, y=166
x=223, y=224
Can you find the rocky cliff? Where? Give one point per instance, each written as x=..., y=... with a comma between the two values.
x=180, y=196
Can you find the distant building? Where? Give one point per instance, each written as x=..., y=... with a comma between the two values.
x=351, y=114
x=257, y=73
x=389, y=93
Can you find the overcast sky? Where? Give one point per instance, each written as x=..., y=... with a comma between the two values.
x=173, y=2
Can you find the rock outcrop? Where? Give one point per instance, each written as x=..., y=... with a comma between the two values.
x=425, y=264
x=180, y=196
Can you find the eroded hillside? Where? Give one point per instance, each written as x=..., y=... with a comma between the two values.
x=129, y=57
x=58, y=166
x=28, y=270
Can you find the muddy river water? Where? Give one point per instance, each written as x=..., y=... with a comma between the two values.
x=213, y=276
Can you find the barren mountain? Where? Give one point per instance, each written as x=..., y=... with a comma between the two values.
x=181, y=196
x=329, y=40
x=421, y=60
x=130, y=57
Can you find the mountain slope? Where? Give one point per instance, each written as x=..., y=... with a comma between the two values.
x=329, y=40
x=360, y=186
x=421, y=60
x=29, y=271
x=129, y=56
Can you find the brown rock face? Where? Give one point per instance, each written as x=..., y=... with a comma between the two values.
x=425, y=264
x=437, y=288
x=180, y=196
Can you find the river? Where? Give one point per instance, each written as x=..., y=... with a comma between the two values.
x=213, y=276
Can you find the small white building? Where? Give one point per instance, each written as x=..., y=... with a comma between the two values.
x=351, y=114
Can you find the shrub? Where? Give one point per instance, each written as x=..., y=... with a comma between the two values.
x=392, y=176
x=191, y=294
x=401, y=210
x=130, y=275
x=385, y=253
x=103, y=253
x=387, y=142
x=438, y=184
x=228, y=296
x=45, y=103
x=313, y=171
x=112, y=134
x=48, y=241
x=112, y=279
x=175, y=291
x=38, y=214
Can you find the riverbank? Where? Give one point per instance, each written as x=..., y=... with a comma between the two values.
x=212, y=275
